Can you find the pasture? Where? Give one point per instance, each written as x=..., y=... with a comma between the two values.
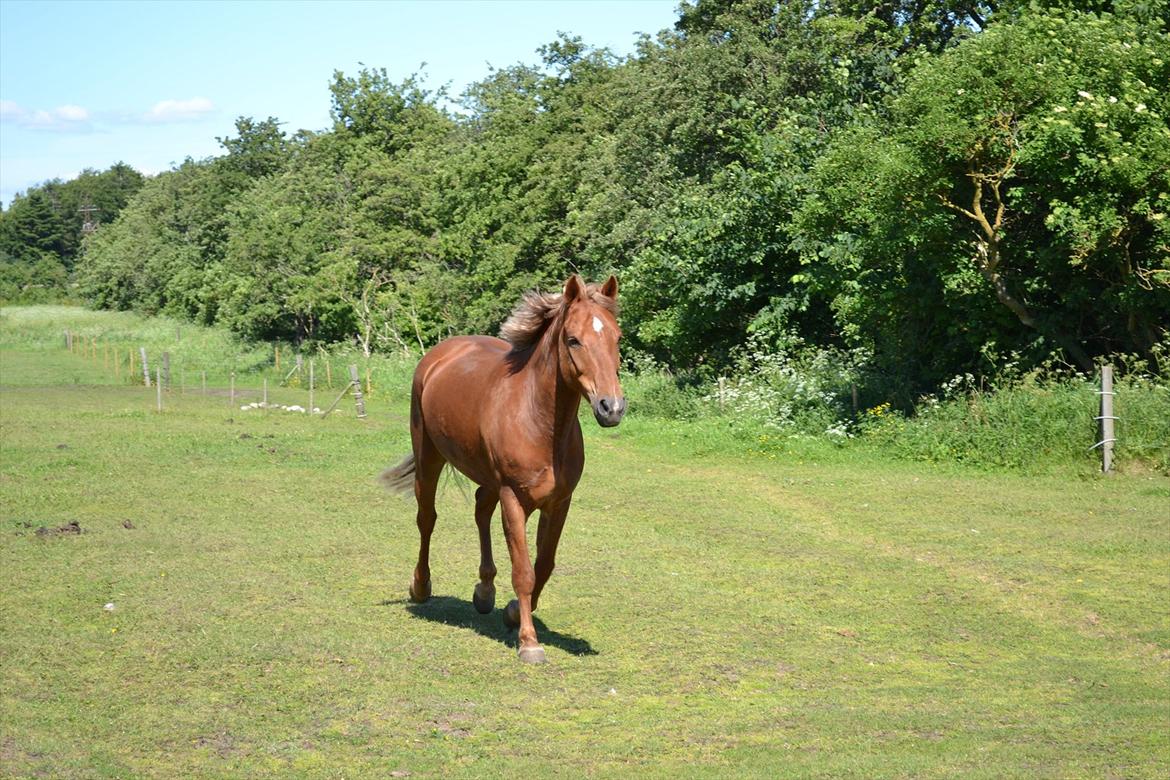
x=812, y=614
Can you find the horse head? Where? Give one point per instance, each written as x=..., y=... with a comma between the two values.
x=588, y=347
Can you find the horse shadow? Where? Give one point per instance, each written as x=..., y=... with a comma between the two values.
x=452, y=611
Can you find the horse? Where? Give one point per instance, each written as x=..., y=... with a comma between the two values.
x=503, y=412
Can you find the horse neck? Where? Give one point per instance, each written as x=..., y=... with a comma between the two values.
x=553, y=397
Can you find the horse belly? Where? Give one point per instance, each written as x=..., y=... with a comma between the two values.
x=455, y=391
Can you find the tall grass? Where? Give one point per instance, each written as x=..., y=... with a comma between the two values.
x=770, y=403
x=196, y=352
x=1034, y=422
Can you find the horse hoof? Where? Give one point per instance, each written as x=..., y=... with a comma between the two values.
x=484, y=598
x=532, y=655
x=420, y=594
x=512, y=614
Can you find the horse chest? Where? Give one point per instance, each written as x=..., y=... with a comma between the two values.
x=542, y=478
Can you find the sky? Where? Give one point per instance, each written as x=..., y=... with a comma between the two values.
x=87, y=83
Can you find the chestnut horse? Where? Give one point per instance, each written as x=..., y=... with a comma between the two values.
x=504, y=412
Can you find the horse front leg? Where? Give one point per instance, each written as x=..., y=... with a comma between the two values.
x=548, y=536
x=519, y=611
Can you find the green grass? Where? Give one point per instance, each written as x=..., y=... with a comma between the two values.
x=802, y=612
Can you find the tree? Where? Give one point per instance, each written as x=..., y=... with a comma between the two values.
x=1023, y=169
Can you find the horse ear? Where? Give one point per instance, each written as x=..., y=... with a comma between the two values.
x=609, y=289
x=573, y=289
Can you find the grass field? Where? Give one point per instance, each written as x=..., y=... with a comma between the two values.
x=822, y=613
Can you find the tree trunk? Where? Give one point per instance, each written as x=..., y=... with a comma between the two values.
x=988, y=262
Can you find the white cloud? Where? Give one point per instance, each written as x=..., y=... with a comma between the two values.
x=67, y=117
x=71, y=113
x=10, y=111
x=179, y=110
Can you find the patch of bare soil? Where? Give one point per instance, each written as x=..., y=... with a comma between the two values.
x=71, y=528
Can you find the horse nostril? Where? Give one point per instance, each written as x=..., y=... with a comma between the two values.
x=604, y=405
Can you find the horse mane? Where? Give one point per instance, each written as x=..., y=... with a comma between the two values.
x=537, y=310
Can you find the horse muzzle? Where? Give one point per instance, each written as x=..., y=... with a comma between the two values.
x=608, y=410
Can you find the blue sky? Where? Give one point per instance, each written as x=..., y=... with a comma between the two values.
x=88, y=83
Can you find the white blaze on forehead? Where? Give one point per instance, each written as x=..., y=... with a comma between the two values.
x=598, y=325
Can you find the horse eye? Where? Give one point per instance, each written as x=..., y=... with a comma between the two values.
x=573, y=341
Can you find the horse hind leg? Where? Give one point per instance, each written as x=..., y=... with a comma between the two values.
x=484, y=597
x=428, y=465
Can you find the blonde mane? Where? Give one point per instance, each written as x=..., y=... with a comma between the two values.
x=536, y=310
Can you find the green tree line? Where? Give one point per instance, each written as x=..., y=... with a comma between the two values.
x=924, y=187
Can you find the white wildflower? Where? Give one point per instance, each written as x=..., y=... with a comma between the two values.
x=1140, y=107
x=1084, y=94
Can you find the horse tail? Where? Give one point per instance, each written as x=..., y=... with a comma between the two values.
x=400, y=478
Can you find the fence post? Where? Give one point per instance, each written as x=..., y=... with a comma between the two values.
x=357, y=391
x=277, y=350
x=1107, y=419
x=265, y=404
x=145, y=368
x=232, y=391
x=68, y=341
x=336, y=401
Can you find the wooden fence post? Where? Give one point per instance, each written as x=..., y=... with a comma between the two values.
x=1106, y=419
x=145, y=367
x=357, y=392
x=68, y=341
x=232, y=391
x=336, y=401
x=265, y=404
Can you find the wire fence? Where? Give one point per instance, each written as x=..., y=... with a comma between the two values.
x=257, y=384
